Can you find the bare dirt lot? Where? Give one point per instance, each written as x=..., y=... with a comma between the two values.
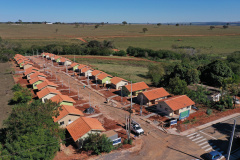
x=6, y=83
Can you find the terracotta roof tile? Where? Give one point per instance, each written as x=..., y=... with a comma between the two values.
x=137, y=86
x=178, y=102
x=116, y=80
x=74, y=64
x=47, y=91
x=103, y=75
x=37, y=74
x=66, y=110
x=57, y=57
x=81, y=66
x=96, y=72
x=62, y=59
x=30, y=70
x=60, y=98
x=155, y=93
x=37, y=79
x=82, y=126
x=45, y=84
x=86, y=69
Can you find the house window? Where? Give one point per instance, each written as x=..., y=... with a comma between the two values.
x=188, y=107
x=69, y=120
x=61, y=123
x=166, y=109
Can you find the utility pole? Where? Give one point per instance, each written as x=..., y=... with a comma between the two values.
x=130, y=111
x=88, y=79
x=89, y=99
x=56, y=75
x=62, y=80
x=69, y=85
x=231, y=140
x=78, y=92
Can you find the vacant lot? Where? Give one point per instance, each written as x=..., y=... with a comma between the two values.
x=6, y=83
x=203, y=39
x=127, y=68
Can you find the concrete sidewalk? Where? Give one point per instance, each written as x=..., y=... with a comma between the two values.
x=192, y=130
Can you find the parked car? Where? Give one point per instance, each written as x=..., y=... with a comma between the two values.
x=214, y=155
x=136, y=128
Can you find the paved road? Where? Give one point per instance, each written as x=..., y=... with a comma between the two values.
x=156, y=144
x=216, y=137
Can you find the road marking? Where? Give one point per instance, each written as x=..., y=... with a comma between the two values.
x=191, y=134
x=197, y=138
x=194, y=136
x=209, y=135
x=202, y=143
x=201, y=140
x=208, y=149
x=206, y=146
x=222, y=137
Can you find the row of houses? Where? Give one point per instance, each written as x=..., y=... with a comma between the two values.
x=158, y=97
x=69, y=117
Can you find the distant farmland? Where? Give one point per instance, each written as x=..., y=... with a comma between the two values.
x=201, y=38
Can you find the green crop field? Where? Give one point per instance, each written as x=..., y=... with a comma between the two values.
x=204, y=40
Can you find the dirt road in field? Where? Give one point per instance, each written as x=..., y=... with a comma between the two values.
x=6, y=83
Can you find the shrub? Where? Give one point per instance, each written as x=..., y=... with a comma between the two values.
x=209, y=111
x=130, y=141
x=125, y=141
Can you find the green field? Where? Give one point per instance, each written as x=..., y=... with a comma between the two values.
x=129, y=69
x=204, y=40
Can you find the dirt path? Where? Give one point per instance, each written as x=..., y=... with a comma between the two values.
x=81, y=39
x=6, y=83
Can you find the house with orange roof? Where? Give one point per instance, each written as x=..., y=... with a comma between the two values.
x=80, y=67
x=117, y=82
x=37, y=74
x=80, y=129
x=37, y=80
x=54, y=58
x=46, y=84
x=87, y=71
x=104, y=78
x=30, y=71
x=27, y=65
x=67, y=115
x=47, y=93
x=74, y=66
x=95, y=73
x=176, y=106
x=57, y=58
x=63, y=100
x=136, y=89
x=68, y=62
x=151, y=97
x=45, y=55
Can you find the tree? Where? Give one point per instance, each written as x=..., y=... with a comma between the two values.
x=156, y=73
x=177, y=24
x=56, y=30
x=159, y=24
x=225, y=26
x=177, y=86
x=212, y=27
x=57, y=49
x=144, y=30
x=216, y=73
x=124, y=22
x=102, y=23
x=96, y=26
x=76, y=25
x=21, y=95
x=98, y=143
x=30, y=128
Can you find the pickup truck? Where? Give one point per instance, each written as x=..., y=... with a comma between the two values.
x=136, y=128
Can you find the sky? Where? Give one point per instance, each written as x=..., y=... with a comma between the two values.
x=116, y=11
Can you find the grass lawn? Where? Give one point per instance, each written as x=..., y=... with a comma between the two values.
x=208, y=41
